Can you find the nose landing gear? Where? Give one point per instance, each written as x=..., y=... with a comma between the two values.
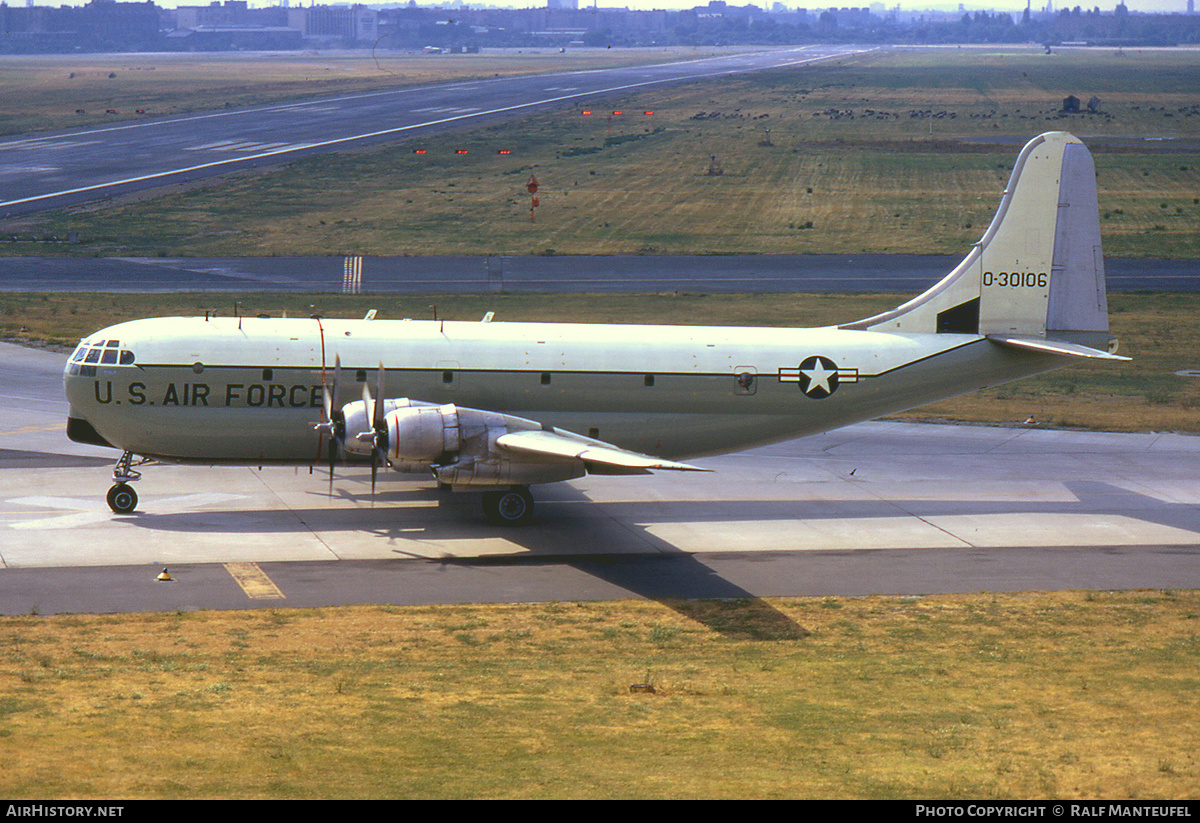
x=122, y=499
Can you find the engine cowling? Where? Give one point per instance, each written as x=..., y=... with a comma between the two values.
x=422, y=434
x=458, y=444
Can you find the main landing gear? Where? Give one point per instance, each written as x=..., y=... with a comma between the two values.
x=122, y=499
x=509, y=507
x=505, y=507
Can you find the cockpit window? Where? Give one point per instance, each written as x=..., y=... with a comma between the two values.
x=102, y=352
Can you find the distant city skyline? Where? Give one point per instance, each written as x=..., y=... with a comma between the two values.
x=1011, y=6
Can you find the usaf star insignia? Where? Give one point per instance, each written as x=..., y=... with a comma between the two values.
x=818, y=377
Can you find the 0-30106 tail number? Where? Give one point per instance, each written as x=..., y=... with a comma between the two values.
x=1017, y=279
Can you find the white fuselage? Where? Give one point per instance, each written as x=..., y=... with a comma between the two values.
x=251, y=389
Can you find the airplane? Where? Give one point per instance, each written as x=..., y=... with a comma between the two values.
x=501, y=406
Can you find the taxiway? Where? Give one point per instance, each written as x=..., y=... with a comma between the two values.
x=874, y=508
x=591, y=274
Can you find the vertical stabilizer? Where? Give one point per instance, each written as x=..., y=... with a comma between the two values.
x=1037, y=270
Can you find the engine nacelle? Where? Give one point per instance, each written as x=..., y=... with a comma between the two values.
x=422, y=435
x=360, y=435
x=502, y=470
x=458, y=444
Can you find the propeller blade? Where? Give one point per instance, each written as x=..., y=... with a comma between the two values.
x=332, y=420
x=374, y=472
x=329, y=395
x=333, y=451
x=379, y=425
x=377, y=412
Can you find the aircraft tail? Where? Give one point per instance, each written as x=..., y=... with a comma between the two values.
x=1035, y=280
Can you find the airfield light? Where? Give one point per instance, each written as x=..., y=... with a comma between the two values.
x=460, y=151
x=586, y=111
x=504, y=151
x=418, y=151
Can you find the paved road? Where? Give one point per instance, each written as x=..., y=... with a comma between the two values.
x=873, y=508
x=44, y=171
x=614, y=274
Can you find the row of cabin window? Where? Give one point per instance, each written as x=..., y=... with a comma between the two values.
x=111, y=354
x=448, y=377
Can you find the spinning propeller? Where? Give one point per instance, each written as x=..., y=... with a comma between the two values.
x=377, y=435
x=339, y=420
x=333, y=421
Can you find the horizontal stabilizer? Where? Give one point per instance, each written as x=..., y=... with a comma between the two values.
x=568, y=446
x=1049, y=346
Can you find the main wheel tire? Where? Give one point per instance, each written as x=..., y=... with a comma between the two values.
x=122, y=499
x=512, y=507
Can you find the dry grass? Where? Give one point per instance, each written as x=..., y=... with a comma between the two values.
x=1070, y=695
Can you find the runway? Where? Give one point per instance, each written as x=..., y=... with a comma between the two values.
x=881, y=507
x=43, y=171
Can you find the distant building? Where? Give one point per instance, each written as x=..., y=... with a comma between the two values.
x=101, y=25
x=356, y=23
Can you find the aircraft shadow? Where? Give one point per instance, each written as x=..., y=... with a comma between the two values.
x=22, y=459
x=613, y=542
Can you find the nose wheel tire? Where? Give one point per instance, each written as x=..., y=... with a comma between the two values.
x=122, y=499
x=512, y=507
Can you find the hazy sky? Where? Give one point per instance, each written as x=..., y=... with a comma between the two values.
x=1145, y=6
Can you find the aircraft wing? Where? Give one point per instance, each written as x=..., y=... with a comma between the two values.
x=598, y=456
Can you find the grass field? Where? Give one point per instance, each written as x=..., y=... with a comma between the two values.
x=1064, y=696
x=898, y=151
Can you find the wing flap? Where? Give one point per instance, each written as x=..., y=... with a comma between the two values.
x=554, y=443
x=1051, y=346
